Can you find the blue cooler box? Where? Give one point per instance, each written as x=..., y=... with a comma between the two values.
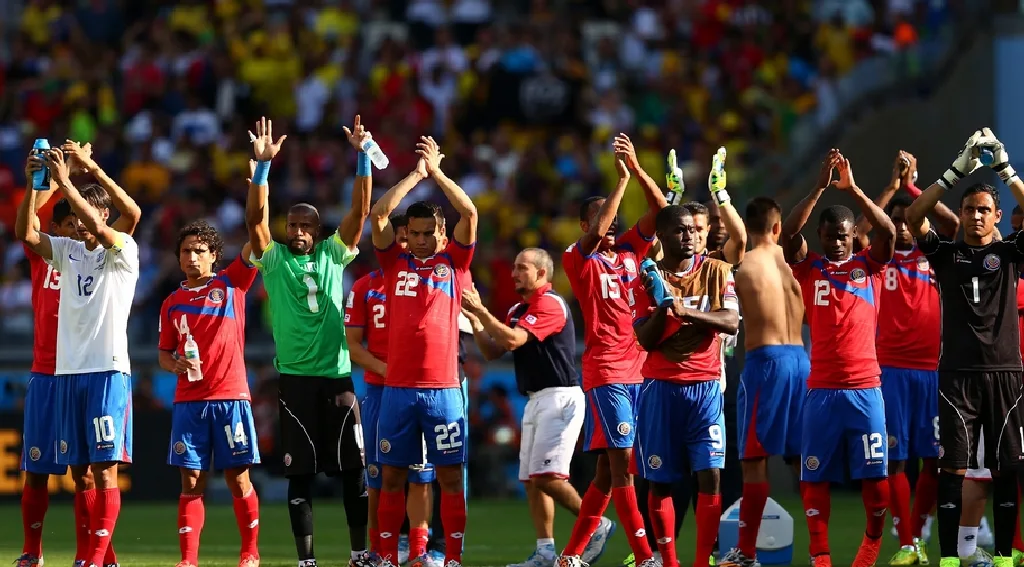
x=774, y=540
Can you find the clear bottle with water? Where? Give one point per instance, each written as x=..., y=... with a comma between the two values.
x=192, y=353
x=376, y=155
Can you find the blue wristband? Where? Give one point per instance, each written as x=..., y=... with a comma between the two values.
x=259, y=177
x=363, y=165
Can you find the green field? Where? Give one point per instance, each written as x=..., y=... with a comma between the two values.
x=499, y=533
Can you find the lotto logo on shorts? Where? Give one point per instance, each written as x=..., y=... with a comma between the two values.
x=179, y=448
x=654, y=462
x=385, y=446
x=372, y=471
x=624, y=428
x=34, y=453
x=811, y=463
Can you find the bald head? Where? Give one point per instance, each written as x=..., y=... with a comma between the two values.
x=533, y=269
x=305, y=209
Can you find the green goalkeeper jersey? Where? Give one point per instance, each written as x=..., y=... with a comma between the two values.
x=307, y=311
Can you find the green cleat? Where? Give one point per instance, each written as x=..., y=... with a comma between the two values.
x=1018, y=557
x=906, y=555
x=921, y=547
x=711, y=560
x=949, y=562
x=1000, y=561
x=629, y=561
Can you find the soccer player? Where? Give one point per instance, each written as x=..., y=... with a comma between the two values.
x=320, y=425
x=603, y=271
x=211, y=422
x=680, y=423
x=774, y=379
x=539, y=333
x=366, y=319
x=907, y=345
x=980, y=378
x=99, y=272
x=422, y=395
x=843, y=405
x=42, y=420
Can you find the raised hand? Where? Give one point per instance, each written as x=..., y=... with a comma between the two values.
x=620, y=167
x=717, y=180
x=964, y=164
x=79, y=157
x=827, y=167
x=845, y=181
x=674, y=178
x=33, y=164
x=430, y=153
x=59, y=169
x=1000, y=158
x=623, y=147
x=358, y=135
x=263, y=145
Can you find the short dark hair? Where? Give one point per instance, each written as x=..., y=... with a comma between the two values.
x=61, y=211
x=668, y=215
x=836, y=214
x=901, y=201
x=95, y=196
x=760, y=215
x=1017, y=211
x=585, y=207
x=399, y=221
x=696, y=208
x=205, y=233
x=980, y=188
x=425, y=210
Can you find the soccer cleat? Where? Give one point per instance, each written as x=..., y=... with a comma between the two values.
x=598, y=541
x=652, y=562
x=435, y=558
x=27, y=560
x=1000, y=561
x=906, y=555
x=867, y=554
x=79, y=563
x=307, y=563
x=1018, y=557
x=629, y=561
x=364, y=560
x=922, y=551
x=108, y=565
x=823, y=560
x=403, y=549
x=954, y=561
x=184, y=564
x=453, y=563
x=249, y=560
x=542, y=557
x=711, y=560
x=735, y=558
x=570, y=561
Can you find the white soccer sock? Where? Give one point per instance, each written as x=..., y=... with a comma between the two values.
x=546, y=545
x=967, y=541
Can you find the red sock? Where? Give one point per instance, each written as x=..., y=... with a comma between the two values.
x=755, y=496
x=374, y=540
x=624, y=498
x=418, y=541
x=709, y=516
x=34, y=502
x=1018, y=543
x=453, y=518
x=875, y=494
x=82, y=507
x=390, y=515
x=191, y=517
x=102, y=522
x=247, y=516
x=899, y=500
x=925, y=495
x=663, y=523
x=110, y=558
x=592, y=507
x=817, y=507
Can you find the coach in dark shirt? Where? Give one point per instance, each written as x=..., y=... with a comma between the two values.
x=539, y=333
x=980, y=377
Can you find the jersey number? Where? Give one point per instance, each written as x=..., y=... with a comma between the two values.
x=103, y=426
x=448, y=436
x=407, y=282
x=892, y=280
x=85, y=285
x=238, y=436
x=311, y=289
x=610, y=286
x=378, y=316
x=976, y=293
x=52, y=280
x=872, y=446
x=821, y=290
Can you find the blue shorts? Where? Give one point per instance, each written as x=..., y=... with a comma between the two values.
x=212, y=435
x=680, y=428
x=369, y=408
x=415, y=415
x=41, y=440
x=97, y=425
x=610, y=418
x=911, y=412
x=847, y=428
x=769, y=400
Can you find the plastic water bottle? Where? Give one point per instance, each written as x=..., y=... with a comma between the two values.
x=659, y=295
x=987, y=157
x=41, y=178
x=376, y=155
x=192, y=353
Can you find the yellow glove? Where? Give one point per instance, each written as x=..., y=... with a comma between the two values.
x=717, y=178
x=674, y=180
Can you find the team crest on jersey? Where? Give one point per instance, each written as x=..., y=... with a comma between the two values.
x=654, y=462
x=922, y=264
x=63, y=447
x=441, y=271
x=991, y=262
x=811, y=463
x=179, y=448
x=624, y=428
x=858, y=275
x=372, y=470
x=287, y=459
x=630, y=265
x=216, y=295
x=385, y=446
x=34, y=453
x=530, y=319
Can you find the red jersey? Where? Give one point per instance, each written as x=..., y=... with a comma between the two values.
x=366, y=308
x=841, y=304
x=214, y=315
x=45, y=303
x=686, y=353
x=909, y=321
x=424, y=301
x=605, y=288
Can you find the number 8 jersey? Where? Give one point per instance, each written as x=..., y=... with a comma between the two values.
x=908, y=322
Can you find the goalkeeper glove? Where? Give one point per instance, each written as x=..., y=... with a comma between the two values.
x=674, y=180
x=964, y=164
x=1000, y=159
x=654, y=285
x=717, y=179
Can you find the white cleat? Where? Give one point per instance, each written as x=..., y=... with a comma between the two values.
x=598, y=542
x=652, y=562
x=541, y=557
x=570, y=561
x=980, y=558
x=453, y=563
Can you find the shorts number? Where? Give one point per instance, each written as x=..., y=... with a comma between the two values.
x=85, y=286
x=1022, y=436
x=821, y=290
x=52, y=280
x=103, y=426
x=610, y=286
x=872, y=446
x=238, y=437
x=378, y=316
x=311, y=289
x=976, y=291
x=407, y=282
x=715, y=432
x=892, y=279
x=935, y=426
x=448, y=436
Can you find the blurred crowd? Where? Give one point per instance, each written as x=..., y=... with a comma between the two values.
x=523, y=94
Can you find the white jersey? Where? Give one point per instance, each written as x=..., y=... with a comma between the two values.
x=96, y=294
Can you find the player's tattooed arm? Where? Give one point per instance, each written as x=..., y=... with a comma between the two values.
x=499, y=334
x=80, y=160
x=359, y=353
x=484, y=341
x=351, y=227
x=895, y=180
x=794, y=246
x=26, y=225
x=883, y=237
x=656, y=201
x=90, y=216
x=602, y=223
x=380, y=215
x=465, y=229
